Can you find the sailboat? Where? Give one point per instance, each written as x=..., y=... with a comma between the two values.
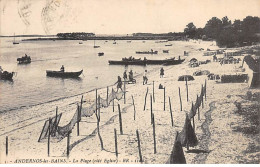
x=95, y=45
x=14, y=43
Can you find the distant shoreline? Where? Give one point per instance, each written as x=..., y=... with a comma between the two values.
x=113, y=38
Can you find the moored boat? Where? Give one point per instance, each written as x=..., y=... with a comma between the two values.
x=165, y=51
x=128, y=61
x=101, y=54
x=146, y=52
x=24, y=60
x=168, y=45
x=63, y=74
x=6, y=75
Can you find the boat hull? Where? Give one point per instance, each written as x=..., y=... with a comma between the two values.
x=147, y=62
x=6, y=76
x=63, y=74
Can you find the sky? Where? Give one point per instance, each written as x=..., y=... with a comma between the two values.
x=48, y=17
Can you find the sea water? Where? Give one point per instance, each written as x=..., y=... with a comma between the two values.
x=31, y=86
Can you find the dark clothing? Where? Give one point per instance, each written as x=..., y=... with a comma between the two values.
x=131, y=77
x=119, y=83
x=62, y=69
x=125, y=75
x=161, y=72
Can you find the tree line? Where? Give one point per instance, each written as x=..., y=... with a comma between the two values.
x=226, y=33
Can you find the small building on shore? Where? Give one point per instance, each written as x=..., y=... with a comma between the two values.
x=252, y=67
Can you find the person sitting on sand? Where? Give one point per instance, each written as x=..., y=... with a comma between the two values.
x=119, y=83
x=161, y=73
x=145, y=79
x=62, y=69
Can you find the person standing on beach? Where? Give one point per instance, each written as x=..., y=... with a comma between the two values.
x=62, y=69
x=161, y=73
x=145, y=79
x=131, y=76
x=119, y=84
x=125, y=75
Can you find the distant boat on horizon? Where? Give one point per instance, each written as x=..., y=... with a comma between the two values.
x=15, y=43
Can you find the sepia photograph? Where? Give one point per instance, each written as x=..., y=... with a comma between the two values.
x=129, y=82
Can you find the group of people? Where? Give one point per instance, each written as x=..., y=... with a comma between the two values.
x=131, y=78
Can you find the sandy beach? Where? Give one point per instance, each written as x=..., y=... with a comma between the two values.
x=225, y=133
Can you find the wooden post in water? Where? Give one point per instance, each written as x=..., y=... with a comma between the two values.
x=154, y=134
x=78, y=119
x=164, y=99
x=145, y=98
x=49, y=135
x=116, y=143
x=133, y=105
x=171, y=110
x=180, y=98
x=124, y=91
x=120, y=120
x=187, y=89
x=6, y=145
x=139, y=146
x=68, y=144
x=153, y=93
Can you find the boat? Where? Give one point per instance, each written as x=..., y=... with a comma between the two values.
x=15, y=43
x=6, y=75
x=101, y=54
x=63, y=74
x=80, y=42
x=127, y=61
x=133, y=61
x=168, y=45
x=129, y=41
x=114, y=42
x=146, y=52
x=24, y=60
x=95, y=46
x=165, y=51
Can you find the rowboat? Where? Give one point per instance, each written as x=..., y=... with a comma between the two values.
x=6, y=75
x=170, y=61
x=146, y=52
x=63, y=74
x=24, y=60
x=101, y=54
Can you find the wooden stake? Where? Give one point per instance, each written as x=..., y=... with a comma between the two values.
x=145, y=98
x=180, y=98
x=133, y=105
x=49, y=135
x=153, y=92
x=99, y=108
x=164, y=99
x=120, y=120
x=6, y=145
x=154, y=138
x=187, y=89
x=171, y=110
x=198, y=108
x=205, y=90
x=193, y=116
x=96, y=100
x=107, y=95
x=124, y=91
x=151, y=109
x=68, y=144
x=202, y=96
x=113, y=105
x=99, y=136
x=139, y=146
x=115, y=142
x=78, y=118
